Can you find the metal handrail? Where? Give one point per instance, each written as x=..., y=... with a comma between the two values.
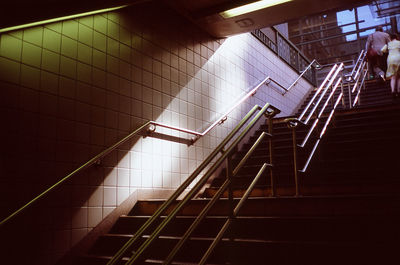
x=181, y=188
x=301, y=75
x=235, y=213
x=326, y=123
x=270, y=110
x=214, y=199
x=218, y=121
x=330, y=79
x=98, y=157
x=316, y=93
x=361, y=58
x=361, y=85
x=297, y=79
x=92, y=161
x=357, y=74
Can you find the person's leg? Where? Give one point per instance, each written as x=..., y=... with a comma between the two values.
x=393, y=84
x=398, y=85
x=379, y=74
x=379, y=68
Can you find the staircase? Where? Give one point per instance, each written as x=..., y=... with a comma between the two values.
x=348, y=213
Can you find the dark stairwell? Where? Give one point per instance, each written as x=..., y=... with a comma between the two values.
x=347, y=211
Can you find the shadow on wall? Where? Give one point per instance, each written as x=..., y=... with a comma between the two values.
x=71, y=89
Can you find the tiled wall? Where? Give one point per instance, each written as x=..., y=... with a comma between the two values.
x=72, y=88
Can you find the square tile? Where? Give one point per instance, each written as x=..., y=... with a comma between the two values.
x=85, y=34
x=10, y=47
x=99, y=41
x=51, y=40
x=68, y=67
x=84, y=53
x=10, y=70
x=95, y=216
x=100, y=24
x=34, y=35
x=110, y=196
x=70, y=29
x=30, y=77
x=69, y=47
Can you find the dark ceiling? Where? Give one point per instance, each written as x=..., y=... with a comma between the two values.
x=204, y=13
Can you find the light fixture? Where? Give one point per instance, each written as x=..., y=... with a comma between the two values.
x=237, y=11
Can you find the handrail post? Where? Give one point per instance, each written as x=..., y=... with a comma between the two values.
x=341, y=89
x=292, y=125
x=229, y=174
x=271, y=154
x=348, y=86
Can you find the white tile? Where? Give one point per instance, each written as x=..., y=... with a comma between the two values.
x=147, y=179
x=123, y=177
x=95, y=215
x=122, y=194
x=110, y=196
x=136, y=178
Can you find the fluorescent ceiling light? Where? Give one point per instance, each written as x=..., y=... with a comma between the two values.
x=237, y=11
x=47, y=21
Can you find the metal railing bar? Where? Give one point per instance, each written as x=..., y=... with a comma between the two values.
x=278, y=84
x=329, y=98
x=317, y=92
x=212, y=202
x=85, y=165
x=330, y=116
x=250, y=189
x=358, y=73
x=309, y=133
x=113, y=147
x=324, y=92
x=248, y=154
x=181, y=188
x=196, y=222
x=218, y=121
x=310, y=156
x=175, y=128
x=250, y=93
x=235, y=213
x=322, y=133
x=359, y=90
x=320, y=113
x=195, y=189
x=357, y=62
x=217, y=239
x=358, y=78
x=302, y=73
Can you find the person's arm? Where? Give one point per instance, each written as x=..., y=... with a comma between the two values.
x=387, y=39
x=384, y=48
x=368, y=43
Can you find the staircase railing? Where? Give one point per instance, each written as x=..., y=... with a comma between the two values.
x=317, y=66
x=267, y=110
x=329, y=86
x=356, y=79
x=138, y=131
x=295, y=82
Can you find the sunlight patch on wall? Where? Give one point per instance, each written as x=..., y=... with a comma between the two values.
x=219, y=83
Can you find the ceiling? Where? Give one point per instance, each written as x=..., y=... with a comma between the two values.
x=204, y=13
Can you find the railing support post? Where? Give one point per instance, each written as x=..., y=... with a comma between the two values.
x=229, y=174
x=349, y=88
x=293, y=126
x=341, y=89
x=271, y=155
